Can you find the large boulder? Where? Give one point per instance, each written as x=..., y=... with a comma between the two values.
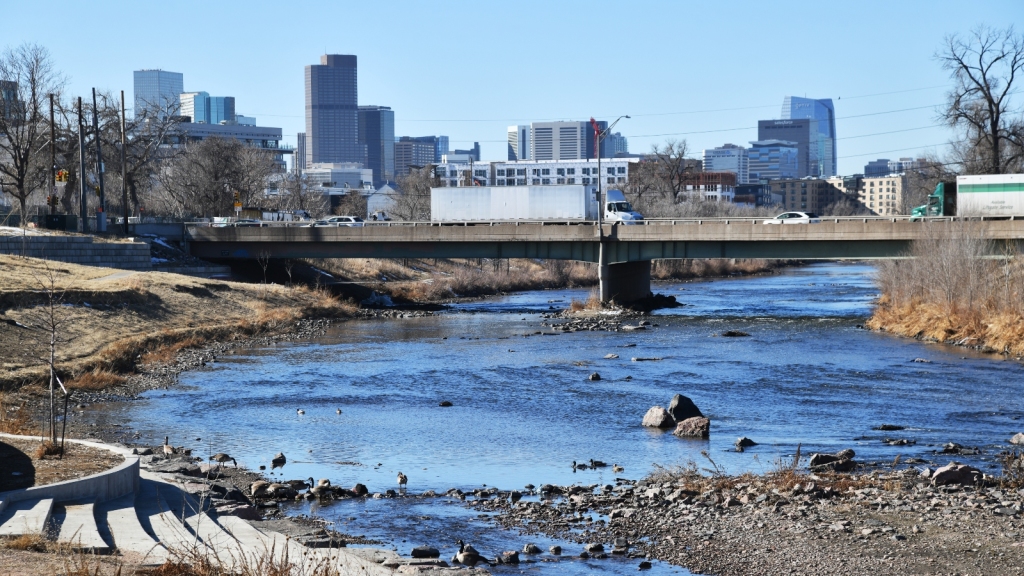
x=682, y=408
x=841, y=461
x=1018, y=438
x=954, y=473
x=658, y=417
x=696, y=427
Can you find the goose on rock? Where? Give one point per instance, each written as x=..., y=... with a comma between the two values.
x=278, y=461
x=222, y=458
x=468, y=555
x=403, y=480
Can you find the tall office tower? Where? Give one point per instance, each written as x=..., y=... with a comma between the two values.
x=195, y=105
x=222, y=109
x=332, y=115
x=822, y=110
x=564, y=140
x=157, y=90
x=299, y=160
x=878, y=167
x=615, y=144
x=377, y=133
x=519, y=142
x=411, y=151
x=440, y=147
x=805, y=136
x=728, y=158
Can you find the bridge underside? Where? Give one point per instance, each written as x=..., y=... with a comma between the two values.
x=617, y=252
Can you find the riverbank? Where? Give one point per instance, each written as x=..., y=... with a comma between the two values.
x=988, y=330
x=787, y=522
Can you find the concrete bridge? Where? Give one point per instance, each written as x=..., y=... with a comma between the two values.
x=623, y=252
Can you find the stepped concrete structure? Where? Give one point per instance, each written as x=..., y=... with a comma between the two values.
x=152, y=517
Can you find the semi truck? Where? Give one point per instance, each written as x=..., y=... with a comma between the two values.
x=985, y=195
x=562, y=203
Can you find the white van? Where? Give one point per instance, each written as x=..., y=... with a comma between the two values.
x=617, y=209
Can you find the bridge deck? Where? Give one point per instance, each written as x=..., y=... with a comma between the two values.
x=844, y=239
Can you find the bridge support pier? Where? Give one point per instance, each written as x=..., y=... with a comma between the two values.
x=625, y=282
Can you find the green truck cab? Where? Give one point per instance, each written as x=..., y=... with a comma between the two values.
x=942, y=202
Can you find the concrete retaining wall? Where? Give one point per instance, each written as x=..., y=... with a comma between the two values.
x=80, y=250
x=107, y=485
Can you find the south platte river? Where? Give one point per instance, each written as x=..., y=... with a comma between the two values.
x=524, y=408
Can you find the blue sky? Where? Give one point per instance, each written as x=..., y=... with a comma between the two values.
x=703, y=71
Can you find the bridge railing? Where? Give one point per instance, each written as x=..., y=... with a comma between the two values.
x=645, y=222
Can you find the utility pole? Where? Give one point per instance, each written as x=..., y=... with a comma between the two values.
x=81, y=170
x=53, y=159
x=101, y=212
x=124, y=169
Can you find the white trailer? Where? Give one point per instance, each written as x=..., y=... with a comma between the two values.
x=990, y=195
x=498, y=203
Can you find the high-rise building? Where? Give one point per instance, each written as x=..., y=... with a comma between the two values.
x=615, y=144
x=882, y=195
x=439, y=143
x=878, y=167
x=222, y=109
x=377, y=133
x=519, y=143
x=804, y=134
x=332, y=115
x=299, y=161
x=771, y=160
x=195, y=105
x=157, y=90
x=411, y=151
x=564, y=140
x=824, y=113
x=806, y=194
x=473, y=153
x=728, y=158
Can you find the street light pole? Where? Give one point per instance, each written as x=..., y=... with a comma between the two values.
x=602, y=255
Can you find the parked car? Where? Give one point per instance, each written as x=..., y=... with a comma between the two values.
x=380, y=216
x=248, y=223
x=343, y=221
x=795, y=218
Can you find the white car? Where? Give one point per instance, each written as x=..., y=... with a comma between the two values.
x=795, y=218
x=341, y=221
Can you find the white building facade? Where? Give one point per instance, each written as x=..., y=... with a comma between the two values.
x=559, y=140
x=612, y=172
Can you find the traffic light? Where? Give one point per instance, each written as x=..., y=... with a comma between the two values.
x=237, y=196
x=62, y=176
x=97, y=189
x=52, y=201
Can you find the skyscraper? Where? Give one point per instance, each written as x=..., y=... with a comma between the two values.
x=299, y=160
x=411, y=151
x=332, y=115
x=221, y=109
x=772, y=159
x=157, y=89
x=377, y=133
x=195, y=105
x=615, y=144
x=796, y=108
x=805, y=137
x=519, y=142
x=564, y=140
x=728, y=158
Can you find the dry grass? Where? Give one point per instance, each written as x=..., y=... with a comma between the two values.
x=948, y=292
x=689, y=268
x=27, y=542
x=97, y=379
x=14, y=419
x=47, y=449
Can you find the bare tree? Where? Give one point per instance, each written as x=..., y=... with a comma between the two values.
x=299, y=193
x=985, y=67
x=412, y=199
x=202, y=179
x=49, y=321
x=353, y=203
x=27, y=78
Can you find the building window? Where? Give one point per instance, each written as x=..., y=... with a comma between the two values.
x=521, y=181
x=441, y=172
x=571, y=181
x=455, y=183
x=586, y=180
x=586, y=171
x=536, y=181
x=622, y=180
x=560, y=181
x=611, y=180
x=611, y=170
x=560, y=171
x=570, y=171
x=621, y=170
x=545, y=172
x=501, y=181
x=501, y=172
x=482, y=173
x=546, y=180
x=521, y=172
x=536, y=172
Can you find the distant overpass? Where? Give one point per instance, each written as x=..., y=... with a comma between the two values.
x=624, y=252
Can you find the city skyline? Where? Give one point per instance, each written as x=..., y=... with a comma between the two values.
x=877, y=115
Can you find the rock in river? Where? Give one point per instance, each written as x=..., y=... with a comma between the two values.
x=744, y=442
x=593, y=377
x=682, y=408
x=425, y=552
x=696, y=427
x=658, y=417
x=1018, y=438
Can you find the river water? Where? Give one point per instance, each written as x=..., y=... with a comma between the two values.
x=524, y=408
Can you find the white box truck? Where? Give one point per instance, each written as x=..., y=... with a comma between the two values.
x=565, y=203
x=982, y=195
